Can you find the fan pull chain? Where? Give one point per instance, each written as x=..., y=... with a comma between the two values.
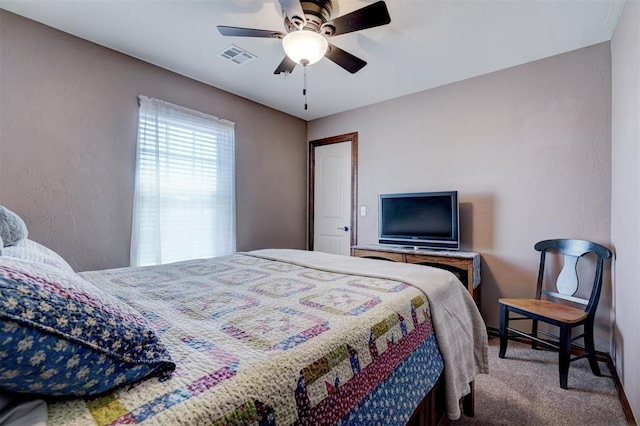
x=304, y=89
x=304, y=64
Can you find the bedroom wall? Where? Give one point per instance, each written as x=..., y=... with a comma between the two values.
x=528, y=149
x=625, y=199
x=68, y=111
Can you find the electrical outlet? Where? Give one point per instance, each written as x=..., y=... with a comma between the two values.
x=363, y=210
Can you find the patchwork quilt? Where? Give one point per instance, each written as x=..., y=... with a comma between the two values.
x=258, y=340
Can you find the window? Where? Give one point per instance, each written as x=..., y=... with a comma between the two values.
x=184, y=197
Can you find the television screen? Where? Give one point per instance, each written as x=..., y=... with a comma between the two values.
x=427, y=219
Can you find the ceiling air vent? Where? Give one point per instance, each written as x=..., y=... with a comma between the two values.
x=235, y=54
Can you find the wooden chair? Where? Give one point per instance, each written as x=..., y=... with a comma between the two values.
x=561, y=315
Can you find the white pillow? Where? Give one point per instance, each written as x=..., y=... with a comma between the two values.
x=35, y=252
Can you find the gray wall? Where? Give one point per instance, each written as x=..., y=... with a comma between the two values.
x=625, y=199
x=68, y=111
x=528, y=149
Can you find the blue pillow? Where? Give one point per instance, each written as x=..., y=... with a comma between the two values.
x=12, y=228
x=61, y=335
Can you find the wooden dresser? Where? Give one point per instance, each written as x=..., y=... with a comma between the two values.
x=465, y=265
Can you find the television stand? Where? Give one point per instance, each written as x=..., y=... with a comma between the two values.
x=465, y=265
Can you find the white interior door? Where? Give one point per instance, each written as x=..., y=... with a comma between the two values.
x=332, y=198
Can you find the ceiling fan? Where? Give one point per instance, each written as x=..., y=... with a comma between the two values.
x=308, y=23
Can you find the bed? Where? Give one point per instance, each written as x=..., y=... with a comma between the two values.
x=264, y=337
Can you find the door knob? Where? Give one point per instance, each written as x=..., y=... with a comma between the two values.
x=346, y=228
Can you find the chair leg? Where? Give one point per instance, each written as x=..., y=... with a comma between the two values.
x=504, y=323
x=534, y=332
x=565, y=354
x=590, y=347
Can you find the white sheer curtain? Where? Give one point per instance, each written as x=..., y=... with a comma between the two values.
x=184, y=198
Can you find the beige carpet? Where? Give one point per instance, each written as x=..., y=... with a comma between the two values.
x=523, y=389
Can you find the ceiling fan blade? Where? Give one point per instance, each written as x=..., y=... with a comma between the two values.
x=293, y=10
x=346, y=60
x=374, y=15
x=287, y=65
x=248, y=32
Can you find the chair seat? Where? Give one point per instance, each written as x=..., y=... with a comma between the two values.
x=562, y=313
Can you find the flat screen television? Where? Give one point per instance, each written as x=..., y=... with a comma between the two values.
x=420, y=219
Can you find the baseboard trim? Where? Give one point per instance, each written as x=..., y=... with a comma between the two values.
x=626, y=407
x=602, y=357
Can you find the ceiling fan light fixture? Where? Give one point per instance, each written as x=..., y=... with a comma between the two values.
x=305, y=47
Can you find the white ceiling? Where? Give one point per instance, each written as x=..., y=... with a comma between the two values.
x=429, y=43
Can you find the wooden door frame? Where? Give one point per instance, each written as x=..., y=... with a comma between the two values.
x=347, y=137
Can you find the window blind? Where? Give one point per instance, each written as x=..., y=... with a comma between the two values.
x=184, y=197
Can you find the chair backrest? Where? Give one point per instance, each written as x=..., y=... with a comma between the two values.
x=567, y=281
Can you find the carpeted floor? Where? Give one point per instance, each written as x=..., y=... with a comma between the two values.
x=523, y=389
